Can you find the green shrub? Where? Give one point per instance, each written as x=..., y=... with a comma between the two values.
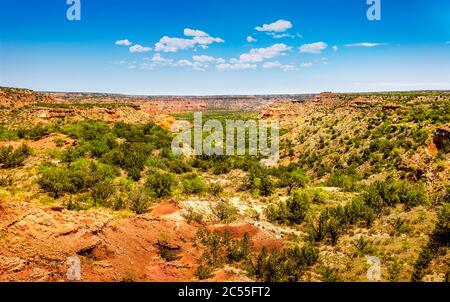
x=56, y=181
x=215, y=189
x=225, y=211
x=329, y=275
x=7, y=134
x=102, y=191
x=193, y=215
x=130, y=156
x=10, y=158
x=332, y=222
x=363, y=246
x=293, y=180
x=394, y=270
x=59, y=142
x=442, y=231
x=6, y=180
x=391, y=192
x=292, y=211
x=238, y=250
x=168, y=252
x=335, y=228
x=35, y=133
x=155, y=136
x=439, y=238
x=138, y=201
x=177, y=165
x=260, y=181
x=346, y=182
x=80, y=176
x=287, y=265
x=161, y=184
x=400, y=226
x=219, y=250
x=118, y=204
x=319, y=230
x=266, y=186
x=193, y=184
x=71, y=155
x=204, y=272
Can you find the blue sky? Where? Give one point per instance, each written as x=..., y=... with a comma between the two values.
x=202, y=47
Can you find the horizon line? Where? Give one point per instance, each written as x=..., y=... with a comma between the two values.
x=230, y=95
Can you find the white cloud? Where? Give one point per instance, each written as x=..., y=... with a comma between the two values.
x=314, y=48
x=160, y=60
x=288, y=67
x=276, y=64
x=279, y=36
x=364, y=44
x=199, y=38
x=250, y=39
x=194, y=33
x=200, y=66
x=167, y=44
x=204, y=58
x=268, y=65
x=147, y=66
x=236, y=66
x=278, y=26
x=184, y=63
x=125, y=42
x=207, y=40
x=260, y=54
x=335, y=48
x=139, y=48
x=306, y=65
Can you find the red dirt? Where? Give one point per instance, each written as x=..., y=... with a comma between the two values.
x=45, y=143
x=110, y=250
x=259, y=238
x=36, y=241
x=237, y=230
x=164, y=209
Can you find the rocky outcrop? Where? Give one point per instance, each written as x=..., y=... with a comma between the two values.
x=442, y=138
x=17, y=98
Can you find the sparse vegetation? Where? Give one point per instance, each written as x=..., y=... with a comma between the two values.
x=359, y=175
x=161, y=184
x=193, y=184
x=225, y=211
x=82, y=175
x=139, y=201
x=287, y=265
x=13, y=158
x=292, y=211
x=220, y=249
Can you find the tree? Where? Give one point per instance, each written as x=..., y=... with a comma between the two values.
x=287, y=265
x=292, y=211
x=80, y=176
x=56, y=181
x=293, y=180
x=10, y=158
x=267, y=186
